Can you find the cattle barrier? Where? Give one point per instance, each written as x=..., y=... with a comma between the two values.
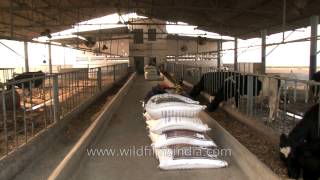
x=30, y=106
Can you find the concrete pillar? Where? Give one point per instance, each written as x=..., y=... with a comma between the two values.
x=235, y=63
x=56, y=105
x=218, y=54
x=313, y=45
x=263, y=51
x=49, y=58
x=26, y=56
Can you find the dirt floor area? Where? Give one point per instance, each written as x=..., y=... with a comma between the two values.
x=254, y=141
x=90, y=114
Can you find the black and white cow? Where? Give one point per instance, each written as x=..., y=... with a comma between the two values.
x=26, y=84
x=237, y=85
x=300, y=150
x=228, y=85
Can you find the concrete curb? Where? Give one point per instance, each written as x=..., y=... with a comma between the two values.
x=17, y=160
x=66, y=166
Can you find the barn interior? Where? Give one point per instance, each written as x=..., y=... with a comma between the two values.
x=74, y=74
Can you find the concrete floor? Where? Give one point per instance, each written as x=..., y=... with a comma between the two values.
x=126, y=130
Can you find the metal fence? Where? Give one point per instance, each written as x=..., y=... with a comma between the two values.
x=259, y=94
x=29, y=106
x=5, y=74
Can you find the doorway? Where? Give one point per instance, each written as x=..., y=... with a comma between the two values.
x=139, y=64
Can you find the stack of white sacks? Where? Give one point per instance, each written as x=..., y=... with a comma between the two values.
x=178, y=136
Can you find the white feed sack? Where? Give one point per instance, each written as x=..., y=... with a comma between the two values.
x=170, y=105
x=172, y=98
x=188, y=157
x=176, y=123
x=178, y=135
x=181, y=137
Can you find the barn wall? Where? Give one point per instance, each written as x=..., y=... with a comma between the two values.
x=163, y=47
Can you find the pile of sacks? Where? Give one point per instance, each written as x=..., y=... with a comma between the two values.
x=151, y=73
x=178, y=136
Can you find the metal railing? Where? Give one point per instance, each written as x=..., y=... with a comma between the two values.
x=5, y=74
x=257, y=97
x=198, y=59
x=29, y=106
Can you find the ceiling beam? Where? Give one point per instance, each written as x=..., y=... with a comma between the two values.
x=58, y=9
x=151, y=6
x=252, y=8
x=32, y=9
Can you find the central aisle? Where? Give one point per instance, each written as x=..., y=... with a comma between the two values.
x=127, y=130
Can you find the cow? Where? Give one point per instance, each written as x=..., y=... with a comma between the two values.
x=300, y=150
x=228, y=85
x=237, y=85
x=315, y=89
x=271, y=90
x=158, y=89
x=28, y=83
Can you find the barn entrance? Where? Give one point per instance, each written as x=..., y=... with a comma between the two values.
x=139, y=64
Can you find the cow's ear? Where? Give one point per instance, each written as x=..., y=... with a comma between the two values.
x=283, y=140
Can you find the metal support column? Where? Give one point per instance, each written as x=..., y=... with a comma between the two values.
x=218, y=54
x=235, y=54
x=182, y=73
x=56, y=105
x=99, y=79
x=313, y=45
x=26, y=57
x=114, y=73
x=49, y=58
x=263, y=51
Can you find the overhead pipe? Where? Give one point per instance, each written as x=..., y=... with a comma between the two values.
x=263, y=51
x=284, y=14
x=235, y=63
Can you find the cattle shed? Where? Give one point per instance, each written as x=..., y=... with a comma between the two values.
x=144, y=89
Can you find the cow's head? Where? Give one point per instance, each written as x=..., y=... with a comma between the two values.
x=316, y=76
x=285, y=148
x=288, y=156
x=40, y=72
